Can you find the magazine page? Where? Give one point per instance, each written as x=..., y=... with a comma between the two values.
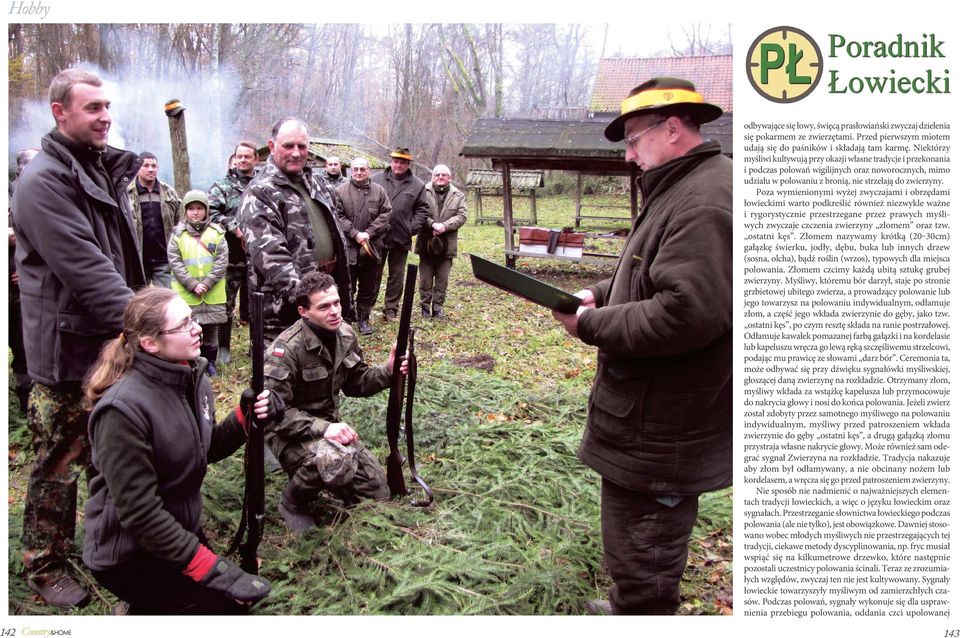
x=847, y=175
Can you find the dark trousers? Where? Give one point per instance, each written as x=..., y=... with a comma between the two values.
x=209, y=334
x=434, y=276
x=395, y=261
x=236, y=279
x=365, y=282
x=15, y=335
x=645, y=548
x=58, y=427
x=153, y=588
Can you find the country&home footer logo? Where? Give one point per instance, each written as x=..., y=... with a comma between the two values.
x=785, y=64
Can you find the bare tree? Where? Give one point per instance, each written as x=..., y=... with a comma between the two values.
x=700, y=39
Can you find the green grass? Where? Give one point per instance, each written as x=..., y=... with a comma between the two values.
x=514, y=528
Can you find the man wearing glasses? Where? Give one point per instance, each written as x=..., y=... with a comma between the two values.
x=364, y=219
x=659, y=425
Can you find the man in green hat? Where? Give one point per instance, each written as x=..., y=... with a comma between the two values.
x=410, y=209
x=659, y=426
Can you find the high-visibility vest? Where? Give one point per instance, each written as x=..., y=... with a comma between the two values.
x=198, y=255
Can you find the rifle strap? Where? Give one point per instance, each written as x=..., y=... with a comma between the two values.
x=247, y=495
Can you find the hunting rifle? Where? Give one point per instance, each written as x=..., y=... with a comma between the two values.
x=253, y=497
x=395, y=404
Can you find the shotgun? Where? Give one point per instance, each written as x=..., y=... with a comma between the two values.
x=253, y=489
x=408, y=424
x=397, y=388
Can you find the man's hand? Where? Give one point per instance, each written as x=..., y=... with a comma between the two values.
x=238, y=232
x=362, y=237
x=439, y=228
x=340, y=433
x=586, y=299
x=569, y=322
x=404, y=365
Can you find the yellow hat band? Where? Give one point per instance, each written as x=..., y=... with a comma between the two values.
x=659, y=97
x=402, y=156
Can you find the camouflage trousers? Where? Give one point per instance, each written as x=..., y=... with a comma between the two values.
x=348, y=472
x=236, y=279
x=58, y=426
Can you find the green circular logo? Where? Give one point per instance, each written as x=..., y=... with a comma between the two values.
x=784, y=64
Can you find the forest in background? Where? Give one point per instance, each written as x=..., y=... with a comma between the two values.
x=376, y=86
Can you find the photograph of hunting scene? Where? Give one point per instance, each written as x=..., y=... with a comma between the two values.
x=491, y=140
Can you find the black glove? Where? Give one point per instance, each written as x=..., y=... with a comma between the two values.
x=275, y=408
x=226, y=577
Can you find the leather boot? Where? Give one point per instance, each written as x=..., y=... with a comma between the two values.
x=295, y=514
x=364, y=325
x=58, y=589
x=223, y=356
x=49, y=524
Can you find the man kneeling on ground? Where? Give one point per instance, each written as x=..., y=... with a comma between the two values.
x=308, y=365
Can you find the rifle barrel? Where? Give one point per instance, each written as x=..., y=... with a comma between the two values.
x=254, y=488
x=397, y=385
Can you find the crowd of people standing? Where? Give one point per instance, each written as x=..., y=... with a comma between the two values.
x=94, y=230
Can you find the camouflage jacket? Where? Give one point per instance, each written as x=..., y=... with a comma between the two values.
x=280, y=244
x=309, y=378
x=225, y=199
x=332, y=182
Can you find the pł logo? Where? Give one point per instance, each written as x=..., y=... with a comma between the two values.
x=784, y=64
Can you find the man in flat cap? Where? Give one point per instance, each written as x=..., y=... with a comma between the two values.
x=410, y=211
x=659, y=425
